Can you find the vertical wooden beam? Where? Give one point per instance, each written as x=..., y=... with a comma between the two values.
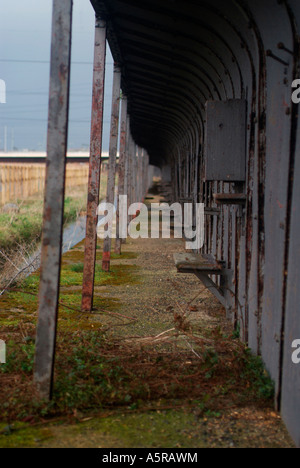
x=143, y=171
x=143, y=189
x=134, y=173
x=94, y=166
x=140, y=175
x=146, y=173
x=54, y=195
x=113, y=147
x=122, y=172
x=129, y=170
x=127, y=155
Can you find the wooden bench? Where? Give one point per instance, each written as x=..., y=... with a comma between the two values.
x=191, y=263
x=203, y=266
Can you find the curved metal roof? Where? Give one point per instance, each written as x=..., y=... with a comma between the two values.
x=177, y=55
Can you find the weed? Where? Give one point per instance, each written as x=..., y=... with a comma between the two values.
x=20, y=358
x=237, y=332
x=253, y=369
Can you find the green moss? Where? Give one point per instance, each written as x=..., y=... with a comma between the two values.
x=76, y=256
x=72, y=257
x=16, y=307
x=72, y=275
x=74, y=320
x=166, y=429
x=77, y=267
x=21, y=435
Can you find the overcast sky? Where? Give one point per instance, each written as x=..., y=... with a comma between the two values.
x=25, y=31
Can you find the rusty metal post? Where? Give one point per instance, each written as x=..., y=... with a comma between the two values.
x=113, y=147
x=122, y=175
x=95, y=166
x=54, y=196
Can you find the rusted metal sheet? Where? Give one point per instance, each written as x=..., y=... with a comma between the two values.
x=54, y=195
x=113, y=147
x=95, y=166
x=121, y=172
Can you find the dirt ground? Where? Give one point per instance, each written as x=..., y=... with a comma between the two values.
x=165, y=315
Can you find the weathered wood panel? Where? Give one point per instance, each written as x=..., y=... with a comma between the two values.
x=290, y=403
x=290, y=391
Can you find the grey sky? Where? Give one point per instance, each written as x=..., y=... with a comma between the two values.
x=25, y=30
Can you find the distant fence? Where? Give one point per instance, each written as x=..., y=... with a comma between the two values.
x=21, y=181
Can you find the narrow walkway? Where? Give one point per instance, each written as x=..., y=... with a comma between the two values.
x=183, y=377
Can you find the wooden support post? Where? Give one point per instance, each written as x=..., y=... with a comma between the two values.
x=130, y=169
x=113, y=147
x=143, y=181
x=134, y=173
x=143, y=187
x=140, y=175
x=147, y=174
x=126, y=178
x=54, y=196
x=94, y=167
x=122, y=176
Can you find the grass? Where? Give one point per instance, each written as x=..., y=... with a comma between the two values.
x=92, y=371
x=25, y=226
x=166, y=429
x=95, y=372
